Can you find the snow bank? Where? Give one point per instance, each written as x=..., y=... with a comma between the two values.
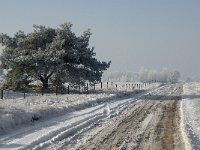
x=190, y=106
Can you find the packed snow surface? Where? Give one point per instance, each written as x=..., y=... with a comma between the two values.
x=190, y=106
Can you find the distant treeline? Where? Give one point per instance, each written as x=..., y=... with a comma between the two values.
x=144, y=75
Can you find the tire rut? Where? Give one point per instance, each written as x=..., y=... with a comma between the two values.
x=145, y=124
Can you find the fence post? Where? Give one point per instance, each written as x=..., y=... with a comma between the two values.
x=56, y=90
x=79, y=89
x=42, y=91
x=101, y=85
x=107, y=85
x=24, y=94
x=1, y=94
x=87, y=88
x=68, y=89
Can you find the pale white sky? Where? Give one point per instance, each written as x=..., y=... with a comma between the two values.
x=130, y=33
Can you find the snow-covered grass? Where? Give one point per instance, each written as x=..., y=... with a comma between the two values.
x=19, y=111
x=190, y=106
x=16, y=111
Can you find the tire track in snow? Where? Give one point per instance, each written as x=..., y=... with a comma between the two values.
x=139, y=127
x=48, y=132
x=125, y=105
x=122, y=104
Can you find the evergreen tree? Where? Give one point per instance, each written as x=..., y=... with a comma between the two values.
x=50, y=55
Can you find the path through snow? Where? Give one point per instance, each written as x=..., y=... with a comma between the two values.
x=47, y=133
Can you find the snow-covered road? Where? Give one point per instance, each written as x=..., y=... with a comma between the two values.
x=44, y=134
x=150, y=123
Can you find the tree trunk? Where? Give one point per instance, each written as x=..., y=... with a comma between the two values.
x=44, y=81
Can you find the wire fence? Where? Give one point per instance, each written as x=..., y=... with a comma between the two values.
x=79, y=89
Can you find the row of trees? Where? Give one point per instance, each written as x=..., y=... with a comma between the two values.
x=144, y=75
x=165, y=75
x=51, y=56
x=120, y=76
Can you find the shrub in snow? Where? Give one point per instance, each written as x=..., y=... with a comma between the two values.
x=35, y=117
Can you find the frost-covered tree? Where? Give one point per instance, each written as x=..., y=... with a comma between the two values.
x=165, y=75
x=50, y=55
x=120, y=77
x=143, y=75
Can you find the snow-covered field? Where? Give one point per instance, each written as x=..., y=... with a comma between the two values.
x=56, y=115
x=54, y=121
x=16, y=111
x=191, y=111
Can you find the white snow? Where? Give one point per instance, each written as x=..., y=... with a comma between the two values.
x=190, y=107
x=17, y=111
x=74, y=112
